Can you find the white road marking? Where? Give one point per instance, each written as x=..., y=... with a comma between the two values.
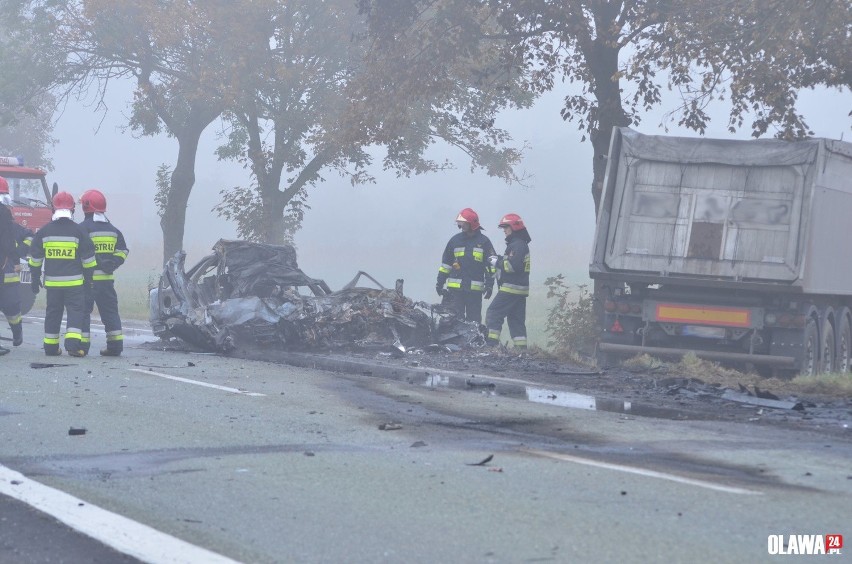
x=196, y=382
x=643, y=472
x=123, y=534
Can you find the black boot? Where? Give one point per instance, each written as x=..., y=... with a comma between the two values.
x=110, y=352
x=17, y=334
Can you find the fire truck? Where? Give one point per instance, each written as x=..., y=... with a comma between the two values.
x=30, y=208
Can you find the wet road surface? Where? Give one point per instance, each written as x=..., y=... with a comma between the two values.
x=260, y=462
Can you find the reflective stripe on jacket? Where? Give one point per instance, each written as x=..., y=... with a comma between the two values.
x=464, y=264
x=64, y=251
x=110, y=248
x=513, y=274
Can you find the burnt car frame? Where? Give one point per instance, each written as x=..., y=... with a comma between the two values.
x=248, y=294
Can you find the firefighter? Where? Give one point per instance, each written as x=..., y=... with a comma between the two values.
x=65, y=252
x=8, y=249
x=110, y=253
x=513, y=283
x=10, y=299
x=465, y=269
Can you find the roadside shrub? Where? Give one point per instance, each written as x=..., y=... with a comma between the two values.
x=644, y=363
x=836, y=384
x=571, y=322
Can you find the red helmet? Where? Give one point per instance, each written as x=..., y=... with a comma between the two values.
x=63, y=201
x=4, y=186
x=93, y=201
x=469, y=216
x=512, y=220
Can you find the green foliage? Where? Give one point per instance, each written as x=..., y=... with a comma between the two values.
x=163, y=183
x=571, y=322
x=241, y=205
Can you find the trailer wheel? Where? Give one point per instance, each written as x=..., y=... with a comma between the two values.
x=844, y=345
x=810, y=349
x=827, y=353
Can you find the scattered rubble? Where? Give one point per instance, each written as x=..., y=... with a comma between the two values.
x=482, y=462
x=254, y=295
x=761, y=401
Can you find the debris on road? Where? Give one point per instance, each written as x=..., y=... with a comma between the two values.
x=254, y=295
x=38, y=365
x=390, y=427
x=73, y=431
x=482, y=462
x=740, y=397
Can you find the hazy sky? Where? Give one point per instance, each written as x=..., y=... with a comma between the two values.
x=396, y=228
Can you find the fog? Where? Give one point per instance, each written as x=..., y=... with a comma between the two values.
x=395, y=228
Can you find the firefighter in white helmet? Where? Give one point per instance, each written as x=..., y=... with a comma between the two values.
x=8, y=251
x=10, y=299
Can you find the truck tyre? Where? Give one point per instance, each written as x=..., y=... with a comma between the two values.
x=810, y=349
x=26, y=296
x=844, y=344
x=826, y=349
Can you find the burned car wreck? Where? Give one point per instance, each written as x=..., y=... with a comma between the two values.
x=246, y=295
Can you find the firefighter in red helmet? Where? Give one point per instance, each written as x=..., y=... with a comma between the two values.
x=64, y=251
x=465, y=269
x=513, y=282
x=110, y=253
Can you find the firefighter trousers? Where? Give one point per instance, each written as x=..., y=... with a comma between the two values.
x=68, y=299
x=10, y=305
x=467, y=304
x=102, y=293
x=513, y=309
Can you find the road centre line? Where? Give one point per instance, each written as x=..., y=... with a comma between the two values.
x=642, y=472
x=118, y=532
x=196, y=382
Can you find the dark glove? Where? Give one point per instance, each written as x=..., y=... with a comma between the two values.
x=487, y=293
x=35, y=285
x=106, y=265
x=440, y=289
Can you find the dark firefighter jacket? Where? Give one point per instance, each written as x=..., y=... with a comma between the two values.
x=7, y=236
x=23, y=239
x=110, y=248
x=65, y=251
x=513, y=268
x=464, y=265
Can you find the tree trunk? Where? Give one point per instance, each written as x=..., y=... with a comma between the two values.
x=603, y=63
x=273, y=222
x=173, y=221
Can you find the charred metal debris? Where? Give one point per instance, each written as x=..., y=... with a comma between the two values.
x=254, y=295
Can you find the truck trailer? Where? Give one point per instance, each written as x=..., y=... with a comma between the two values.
x=734, y=250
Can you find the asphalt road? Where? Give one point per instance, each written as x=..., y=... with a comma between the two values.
x=198, y=458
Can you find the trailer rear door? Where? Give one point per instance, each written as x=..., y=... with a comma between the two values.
x=702, y=207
